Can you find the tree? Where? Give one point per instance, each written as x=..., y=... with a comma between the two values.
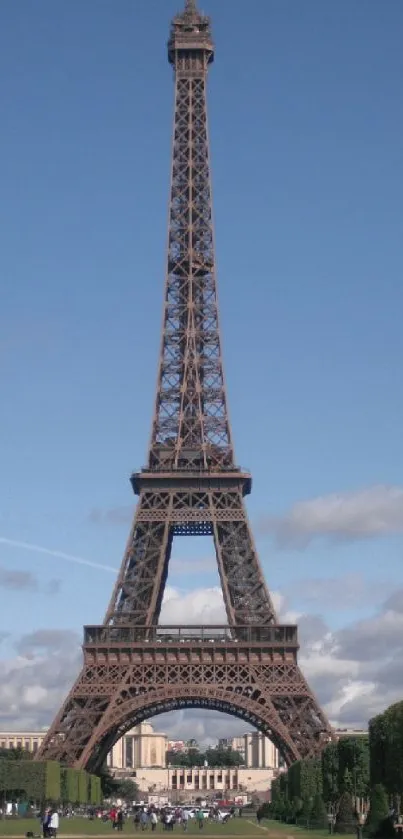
x=126, y=789
x=279, y=806
x=108, y=783
x=378, y=811
x=114, y=788
x=275, y=789
x=297, y=805
x=223, y=757
x=15, y=754
x=215, y=758
x=306, y=812
x=353, y=770
x=265, y=810
x=345, y=818
x=378, y=742
x=330, y=773
x=288, y=811
x=305, y=778
x=319, y=812
x=386, y=749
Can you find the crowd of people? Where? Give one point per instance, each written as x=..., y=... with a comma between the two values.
x=148, y=817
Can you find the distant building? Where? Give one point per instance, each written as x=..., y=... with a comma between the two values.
x=257, y=750
x=260, y=752
x=343, y=733
x=139, y=747
x=176, y=746
x=27, y=740
x=184, y=784
x=142, y=746
x=237, y=744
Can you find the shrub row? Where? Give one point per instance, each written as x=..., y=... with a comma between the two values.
x=343, y=767
x=48, y=781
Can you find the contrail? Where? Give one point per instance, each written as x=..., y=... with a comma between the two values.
x=59, y=554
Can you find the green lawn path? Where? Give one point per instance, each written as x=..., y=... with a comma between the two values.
x=246, y=826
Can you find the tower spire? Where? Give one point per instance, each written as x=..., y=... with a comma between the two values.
x=190, y=6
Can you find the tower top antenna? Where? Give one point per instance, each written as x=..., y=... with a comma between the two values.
x=190, y=31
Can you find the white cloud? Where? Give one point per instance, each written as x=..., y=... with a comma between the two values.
x=35, y=682
x=374, y=511
x=355, y=671
x=203, y=606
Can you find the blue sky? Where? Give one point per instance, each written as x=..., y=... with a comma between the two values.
x=306, y=122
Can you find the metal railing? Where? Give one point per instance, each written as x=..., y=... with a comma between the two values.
x=276, y=635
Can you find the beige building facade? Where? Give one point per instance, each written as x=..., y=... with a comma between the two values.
x=28, y=740
x=237, y=744
x=143, y=749
x=257, y=750
x=187, y=784
x=141, y=746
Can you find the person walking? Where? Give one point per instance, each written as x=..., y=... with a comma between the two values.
x=45, y=823
x=54, y=823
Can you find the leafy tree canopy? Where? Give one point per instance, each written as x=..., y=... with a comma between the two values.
x=15, y=754
x=215, y=758
x=378, y=811
x=114, y=788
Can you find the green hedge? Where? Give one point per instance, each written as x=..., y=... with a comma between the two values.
x=95, y=790
x=310, y=786
x=52, y=780
x=48, y=781
x=37, y=781
x=82, y=787
x=305, y=779
x=71, y=786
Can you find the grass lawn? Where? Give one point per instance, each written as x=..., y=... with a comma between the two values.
x=234, y=828
x=85, y=827
x=281, y=830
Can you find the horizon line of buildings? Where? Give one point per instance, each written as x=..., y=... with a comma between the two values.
x=141, y=755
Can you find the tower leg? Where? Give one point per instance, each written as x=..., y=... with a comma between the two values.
x=137, y=596
x=245, y=592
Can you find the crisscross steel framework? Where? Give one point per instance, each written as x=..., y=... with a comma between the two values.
x=133, y=668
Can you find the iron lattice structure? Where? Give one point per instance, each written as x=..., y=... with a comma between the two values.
x=134, y=668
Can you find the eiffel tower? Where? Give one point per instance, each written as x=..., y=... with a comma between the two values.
x=133, y=667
